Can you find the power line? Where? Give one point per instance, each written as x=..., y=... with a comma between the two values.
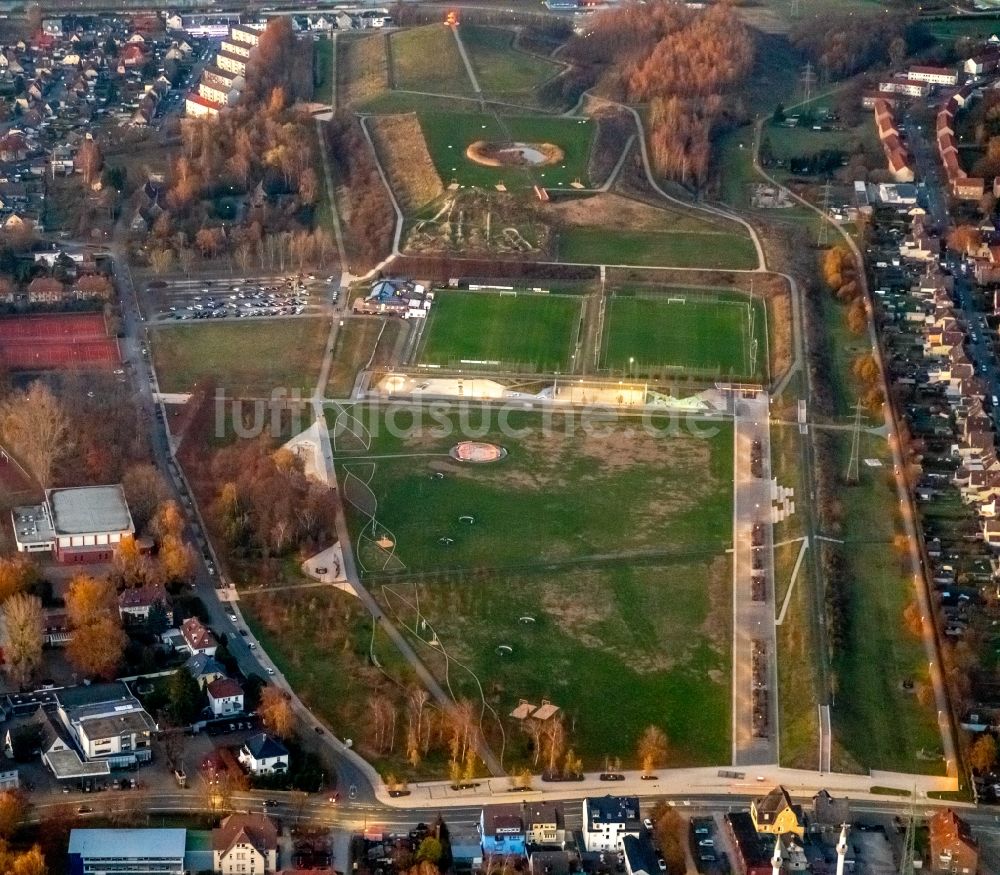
x=823, y=235
x=808, y=79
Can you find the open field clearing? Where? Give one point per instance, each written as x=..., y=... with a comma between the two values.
x=879, y=717
x=362, y=69
x=449, y=134
x=404, y=156
x=656, y=248
x=412, y=507
x=612, y=229
x=244, y=359
x=523, y=332
x=682, y=329
x=658, y=633
x=427, y=59
x=361, y=340
x=501, y=69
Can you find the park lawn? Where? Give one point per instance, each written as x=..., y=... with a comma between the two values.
x=951, y=29
x=320, y=639
x=645, y=335
x=323, y=60
x=250, y=358
x=501, y=69
x=789, y=142
x=427, y=59
x=712, y=250
x=547, y=502
x=655, y=639
x=449, y=134
x=525, y=332
x=875, y=720
x=360, y=340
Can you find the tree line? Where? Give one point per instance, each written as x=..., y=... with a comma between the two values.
x=257, y=150
x=686, y=64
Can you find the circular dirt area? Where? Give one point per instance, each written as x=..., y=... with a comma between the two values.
x=514, y=154
x=476, y=451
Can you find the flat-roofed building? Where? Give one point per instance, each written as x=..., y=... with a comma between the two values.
x=107, y=723
x=127, y=851
x=82, y=524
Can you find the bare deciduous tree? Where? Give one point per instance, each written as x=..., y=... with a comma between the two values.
x=36, y=429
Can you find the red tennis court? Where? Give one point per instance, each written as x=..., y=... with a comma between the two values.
x=59, y=340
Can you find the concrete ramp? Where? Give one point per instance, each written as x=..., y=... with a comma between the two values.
x=308, y=446
x=326, y=566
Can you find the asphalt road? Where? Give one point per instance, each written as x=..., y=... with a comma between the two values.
x=349, y=773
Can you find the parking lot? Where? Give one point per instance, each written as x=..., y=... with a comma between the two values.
x=267, y=297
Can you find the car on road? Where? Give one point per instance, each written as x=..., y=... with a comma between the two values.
x=661, y=865
x=269, y=670
x=270, y=803
x=318, y=730
x=84, y=809
x=648, y=824
x=253, y=646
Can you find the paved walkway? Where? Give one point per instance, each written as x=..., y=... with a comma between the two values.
x=754, y=639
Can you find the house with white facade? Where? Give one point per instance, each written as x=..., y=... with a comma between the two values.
x=225, y=697
x=245, y=844
x=607, y=820
x=263, y=755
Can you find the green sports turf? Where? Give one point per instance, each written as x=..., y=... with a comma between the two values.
x=449, y=134
x=695, y=335
x=526, y=332
x=720, y=250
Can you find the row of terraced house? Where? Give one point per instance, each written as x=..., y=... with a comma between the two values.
x=222, y=82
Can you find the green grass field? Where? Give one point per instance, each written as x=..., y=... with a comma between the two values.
x=949, y=30
x=635, y=600
x=547, y=502
x=359, y=341
x=449, y=134
x=530, y=332
x=695, y=335
x=500, y=69
x=324, y=72
x=427, y=59
x=246, y=359
x=656, y=633
x=878, y=722
x=718, y=250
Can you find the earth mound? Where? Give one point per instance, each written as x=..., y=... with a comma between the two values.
x=514, y=154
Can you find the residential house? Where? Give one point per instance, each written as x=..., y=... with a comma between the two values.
x=752, y=855
x=46, y=290
x=225, y=697
x=135, y=604
x=952, y=847
x=543, y=823
x=13, y=147
x=501, y=830
x=608, y=819
x=933, y=75
x=829, y=813
x=245, y=843
x=263, y=755
x=775, y=814
x=204, y=669
x=198, y=639
x=640, y=856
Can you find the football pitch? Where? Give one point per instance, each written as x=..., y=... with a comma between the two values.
x=685, y=331
x=523, y=332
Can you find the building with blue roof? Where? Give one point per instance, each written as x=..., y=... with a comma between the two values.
x=127, y=851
